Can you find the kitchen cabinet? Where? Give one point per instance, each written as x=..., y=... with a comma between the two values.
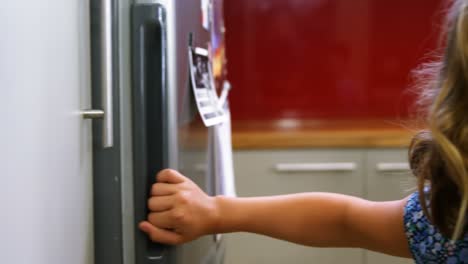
x=375, y=174
x=267, y=172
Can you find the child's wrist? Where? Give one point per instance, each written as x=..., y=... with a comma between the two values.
x=217, y=215
x=221, y=216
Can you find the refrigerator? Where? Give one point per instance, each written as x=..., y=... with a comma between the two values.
x=97, y=99
x=160, y=124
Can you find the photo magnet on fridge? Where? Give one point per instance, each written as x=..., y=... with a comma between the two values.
x=203, y=87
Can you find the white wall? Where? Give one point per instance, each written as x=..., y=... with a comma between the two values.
x=45, y=147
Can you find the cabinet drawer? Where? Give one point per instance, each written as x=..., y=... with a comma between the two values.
x=388, y=175
x=282, y=172
x=243, y=248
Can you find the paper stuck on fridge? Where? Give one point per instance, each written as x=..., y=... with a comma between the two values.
x=211, y=112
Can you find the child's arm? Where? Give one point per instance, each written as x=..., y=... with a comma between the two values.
x=313, y=219
x=319, y=220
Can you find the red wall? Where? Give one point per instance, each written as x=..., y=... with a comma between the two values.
x=326, y=58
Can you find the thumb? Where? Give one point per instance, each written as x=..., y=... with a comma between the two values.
x=160, y=235
x=170, y=176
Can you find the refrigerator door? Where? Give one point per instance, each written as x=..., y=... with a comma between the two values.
x=167, y=129
x=195, y=153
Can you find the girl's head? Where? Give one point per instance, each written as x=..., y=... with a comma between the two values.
x=439, y=156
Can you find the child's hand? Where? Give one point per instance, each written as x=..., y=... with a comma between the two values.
x=179, y=210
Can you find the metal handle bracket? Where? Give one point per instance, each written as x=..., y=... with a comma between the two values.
x=92, y=114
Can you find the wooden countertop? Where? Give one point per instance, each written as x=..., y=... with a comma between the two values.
x=288, y=134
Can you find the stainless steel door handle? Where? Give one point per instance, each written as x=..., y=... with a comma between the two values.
x=105, y=35
x=104, y=68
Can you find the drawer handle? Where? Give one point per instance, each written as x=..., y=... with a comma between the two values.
x=316, y=167
x=393, y=167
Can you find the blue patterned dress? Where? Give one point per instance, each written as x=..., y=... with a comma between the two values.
x=426, y=243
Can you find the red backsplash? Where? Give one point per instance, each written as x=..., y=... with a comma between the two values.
x=326, y=58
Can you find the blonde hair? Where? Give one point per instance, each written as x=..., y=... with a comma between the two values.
x=438, y=156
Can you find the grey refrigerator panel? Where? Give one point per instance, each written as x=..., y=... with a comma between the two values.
x=106, y=157
x=167, y=129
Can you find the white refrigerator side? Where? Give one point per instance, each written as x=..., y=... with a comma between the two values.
x=45, y=145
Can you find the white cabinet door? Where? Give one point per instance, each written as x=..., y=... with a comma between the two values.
x=388, y=178
x=280, y=172
x=45, y=145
